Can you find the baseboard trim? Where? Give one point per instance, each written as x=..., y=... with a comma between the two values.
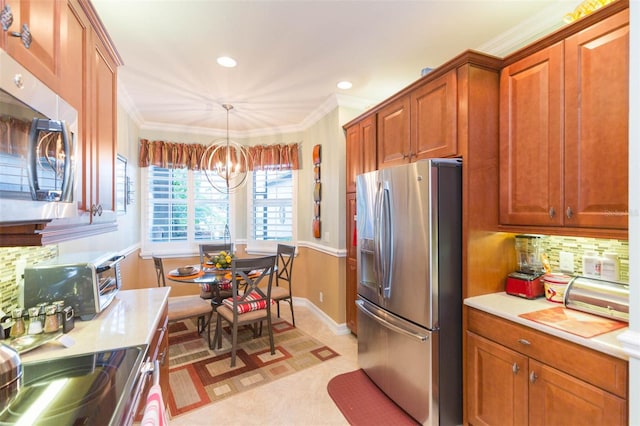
x=336, y=328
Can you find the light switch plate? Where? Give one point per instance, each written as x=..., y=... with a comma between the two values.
x=566, y=261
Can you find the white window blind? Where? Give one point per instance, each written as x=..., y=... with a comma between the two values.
x=182, y=206
x=272, y=205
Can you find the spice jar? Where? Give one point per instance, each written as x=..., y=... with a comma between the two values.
x=17, y=329
x=51, y=324
x=35, y=326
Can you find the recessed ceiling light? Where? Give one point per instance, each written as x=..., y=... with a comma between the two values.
x=226, y=61
x=344, y=85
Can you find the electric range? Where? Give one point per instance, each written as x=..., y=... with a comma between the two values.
x=93, y=389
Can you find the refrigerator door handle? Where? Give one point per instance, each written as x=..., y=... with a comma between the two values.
x=417, y=336
x=377, y=239
x=386, y=251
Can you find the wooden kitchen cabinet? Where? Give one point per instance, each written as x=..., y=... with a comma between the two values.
x=88, y=83
x=564, y=131
x=421, y=124
x=42, y=21
x=158, y=351
x=361, y=149
x=516, y=375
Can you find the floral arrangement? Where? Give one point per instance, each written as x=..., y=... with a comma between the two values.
x=222, y=260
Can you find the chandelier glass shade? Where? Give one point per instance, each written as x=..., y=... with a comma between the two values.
x=225, y=162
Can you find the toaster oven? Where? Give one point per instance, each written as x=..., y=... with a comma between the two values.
x=88, y=282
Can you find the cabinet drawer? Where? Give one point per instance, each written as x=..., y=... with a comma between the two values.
x=604, y=371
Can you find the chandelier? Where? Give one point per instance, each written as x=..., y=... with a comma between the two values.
x=225, y=163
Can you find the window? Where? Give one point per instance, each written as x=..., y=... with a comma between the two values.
x=271, y=214
x=182, y=208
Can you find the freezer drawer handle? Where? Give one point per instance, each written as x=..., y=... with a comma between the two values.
x=417, y=336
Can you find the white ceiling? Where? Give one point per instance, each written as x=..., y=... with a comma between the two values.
x=291, y=54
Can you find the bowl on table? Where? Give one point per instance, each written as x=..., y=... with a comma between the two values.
x=186, y=270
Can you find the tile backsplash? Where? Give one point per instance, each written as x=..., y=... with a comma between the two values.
x=579, y=246
x=10, y=259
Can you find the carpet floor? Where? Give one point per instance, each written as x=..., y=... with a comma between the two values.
x=363, y=404
x=199, y=376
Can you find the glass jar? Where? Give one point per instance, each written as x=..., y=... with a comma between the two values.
x=35, y=326
x=51, y=324
x=17, y=329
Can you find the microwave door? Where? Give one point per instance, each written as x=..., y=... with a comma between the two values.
x=49, y=164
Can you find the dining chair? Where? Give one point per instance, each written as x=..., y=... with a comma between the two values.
x=282, y=290
x=248, y=307
x=185, y=307
x=207, y=290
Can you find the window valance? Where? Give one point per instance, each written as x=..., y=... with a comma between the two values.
x=180, y=155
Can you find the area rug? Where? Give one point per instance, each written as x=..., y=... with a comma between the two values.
x=362, y=403
x=575, y=322
x=199, y=376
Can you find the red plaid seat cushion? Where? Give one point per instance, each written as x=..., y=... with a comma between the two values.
x=253, y=302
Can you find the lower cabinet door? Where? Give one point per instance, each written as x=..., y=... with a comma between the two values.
x=556, y=398
x=497, y=384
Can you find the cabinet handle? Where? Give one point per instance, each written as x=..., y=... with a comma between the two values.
x=6, y=17
x=515, y=368
x=524, y=342
x=405, y=156
x=161, y=357
x=569, y=212
x=25, y=35
x=552, y=212
x=533, y=377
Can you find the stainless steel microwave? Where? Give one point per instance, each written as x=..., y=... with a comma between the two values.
x=37, y=148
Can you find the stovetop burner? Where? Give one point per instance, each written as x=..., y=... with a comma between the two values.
x=88, y=389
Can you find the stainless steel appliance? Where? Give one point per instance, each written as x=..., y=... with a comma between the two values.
x=100, y=388
x=88, y=282
x=37, y=148
x=409, y=286
x=608, y=299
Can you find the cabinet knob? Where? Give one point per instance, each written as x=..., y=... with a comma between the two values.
x=569, y=212
x=6, y=17
x=404, y=156
x=533, y=377
x=524, y=342
x=25, y=35
x=515, y=368
x=552, y=212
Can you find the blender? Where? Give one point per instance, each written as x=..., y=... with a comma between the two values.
x=526, y=281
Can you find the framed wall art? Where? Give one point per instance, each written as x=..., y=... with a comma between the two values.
x=317, y=191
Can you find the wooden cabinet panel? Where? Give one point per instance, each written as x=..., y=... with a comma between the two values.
x=104, y=127
x=433, y=118
x=393, y=133
x=497, y=390
x=596, y=125
x=564, y=132
x=361, y=150
x=43, y=20
x=560, y=399
x=531, y=140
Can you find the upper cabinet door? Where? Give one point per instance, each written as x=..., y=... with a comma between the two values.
x=531, y=140
x=433, y=118
x=42, y=20
x=361, y=149
x=393, y=133
x=597, y=125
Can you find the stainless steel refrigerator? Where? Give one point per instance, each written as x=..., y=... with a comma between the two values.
x=410, y=286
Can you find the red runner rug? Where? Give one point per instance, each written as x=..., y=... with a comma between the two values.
x=363, y=403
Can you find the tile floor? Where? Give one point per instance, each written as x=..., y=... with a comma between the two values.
x=299, y=399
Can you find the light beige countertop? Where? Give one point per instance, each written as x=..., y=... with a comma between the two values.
x=510, y=307
x=130, y=320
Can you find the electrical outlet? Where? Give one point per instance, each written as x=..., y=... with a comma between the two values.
x=566, y=261
x=321, y=297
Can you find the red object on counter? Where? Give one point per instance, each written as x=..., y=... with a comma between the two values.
x=525, y=285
